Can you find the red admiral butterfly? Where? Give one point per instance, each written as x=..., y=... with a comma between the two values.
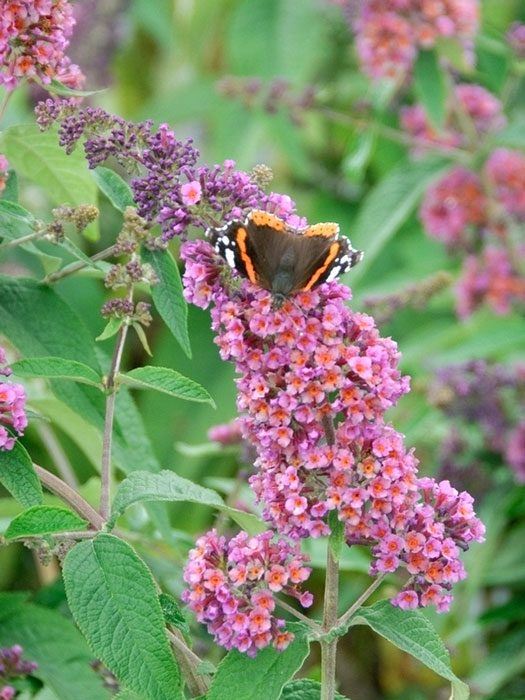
x=282, y=259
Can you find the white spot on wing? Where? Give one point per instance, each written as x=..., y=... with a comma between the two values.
x=229, y=256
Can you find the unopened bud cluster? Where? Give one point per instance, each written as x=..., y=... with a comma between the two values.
x=126, y=274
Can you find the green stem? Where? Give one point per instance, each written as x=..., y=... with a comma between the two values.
x=69, y=496
x=79, y=265
x=111, y=389
x=20, y=241
x=359, y=602
x=198, y=684
x=329, y=648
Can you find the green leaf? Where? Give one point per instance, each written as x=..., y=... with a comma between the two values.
x=173, y=615
x=15, y=221
x=11, y=187
x=55, y=644
x=168, y=381
x=143, y=338
x=243, y=678
x=38, y=157
x=44, y=520
x=430, y=86
x=410, y=631
x=305, y=689
x=113, y=599
x=388, y=206
x=114, y=187
x=167, y=486
x=505, y=661
x=168, y=297
x=111, y=328
x=57, y=368
x=57, y=88
x=19, y=477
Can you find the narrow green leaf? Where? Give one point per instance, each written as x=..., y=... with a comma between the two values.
x=19, y=477
x=167, y=486
x=15, y=221
x=114, y=187
x=505, y=661
x=243, y=678
x=57, y=368
x=38, y=157
x=110, y=329
x=168, y=297
x=62, y=655
x=173, y=615
x=55, y=87
x=305, y=689
x=44, y=520
x=430, y=85
x=410, y=631
x=143, y=338
x=388, y=206
x=168, y=381
x=113, y=599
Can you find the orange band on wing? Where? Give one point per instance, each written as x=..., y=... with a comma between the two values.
x=332, y=254
x=326, y=230
x=263, y=218
x=241, y=236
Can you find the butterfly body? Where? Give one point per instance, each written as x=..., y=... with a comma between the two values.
x=282, y=259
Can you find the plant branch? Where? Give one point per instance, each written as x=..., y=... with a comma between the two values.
x=331, y=600
x=198, y=683
x=79, y=265
x=14, y=242
x=105, y=492
x=299, y=615
x=329, y=648
x=359, y=602
x=395, y=135
x=70, y=496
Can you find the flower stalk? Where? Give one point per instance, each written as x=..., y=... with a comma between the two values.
x=111, y=390
x=329, y=648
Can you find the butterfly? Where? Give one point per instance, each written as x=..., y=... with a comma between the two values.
x=282, y=259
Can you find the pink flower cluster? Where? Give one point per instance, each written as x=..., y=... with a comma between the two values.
x=477, y=214
x=441, y=525
x=515, y=452
x=470, y=103
x=315, y=382
x=231, y=587
x=454, y=208
x=12, y=407
x=34, y=35
x=490, y=278
x=390, y=32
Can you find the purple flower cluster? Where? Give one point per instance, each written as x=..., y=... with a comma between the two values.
x=477, y=214
x=315, y=382
x=13, y=666
x=471, y=103
x=12, y=407
x=171, y=189
x=389, y=33
x=516, y=38
x=34, y=35
x=231, y=587
x=490, y=397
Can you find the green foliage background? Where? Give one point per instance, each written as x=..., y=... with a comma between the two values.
x=169, y=58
